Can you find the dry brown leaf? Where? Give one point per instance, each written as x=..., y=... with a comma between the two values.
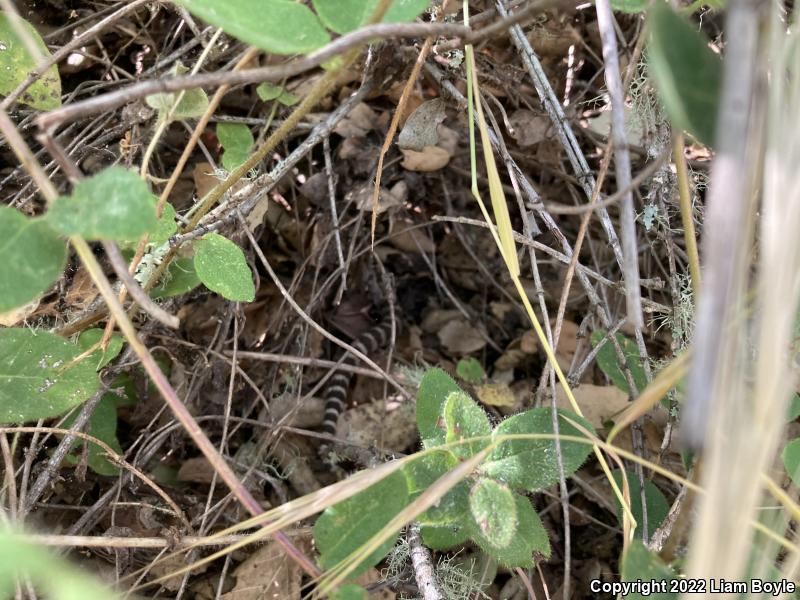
x=420, y=128
x=390, y=425
x=599, y=403
x=204, y=180
x=196, y=470
x=461, y=337
x=362, y=197
x=431, y=158
x=82, y=291
x=170, y=564
x=495, y=394
x=361, y=120
x=268, y=573
x=528, y=128
x=411, y=240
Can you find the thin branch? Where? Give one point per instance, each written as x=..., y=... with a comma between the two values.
x=112, y=100
x=423, y=566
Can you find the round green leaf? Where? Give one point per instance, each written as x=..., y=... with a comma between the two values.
x=687, y=74
x=103, y=426
x=346, y=15
x=16, y=62
x=38, y=379
x=33, y=258
x=221, y=266
x=434, y=388
x=166, y=225
x=470, y=370
x=90, y=337
x=278, y=26
x=608, y=363
x=346, y=526
x=464, y=419
x=791, y=460
x=532, y=464
x=423, y=472
x=529, y=537
x=494, y=510
x=349, y=591
x=657, y=505
x=639, y=564
x=268, y=91
x=180, y=278
x=191, y=103
x=237, y=140
x=115, y=204
x=443, y=537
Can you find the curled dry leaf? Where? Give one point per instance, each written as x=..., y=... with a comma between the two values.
x=528, y=128
x=599, y=403
x=495, y=394
x=431, y=158
x=269, y=573
x=362, y=197
x=388, y=424
x=361, y=120
x=461, y=337
x=420, y=128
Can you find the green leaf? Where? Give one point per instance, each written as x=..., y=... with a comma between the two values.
x=115, y=204
x=346, y=15
x=165, y=227
x=102, y=425
x=90, y=337
x=288, y=99
x=464, y=419
x=470, y=370
x=278, y=26
x=791, y=459
x=434, y=388
x=532, y=464
x=38, y=379
x=494, y=511
x=237, y=141
x=180, y=278
x=33, y=258
x=346, y=526
x=349, y=591
x=193, y=102
x=657, y=505
x=686, y=72
x=607, y=361
x=222, y=267
x=20, y=561
x=443, y=537
x=423, y=472
x=530, y=537
x=794, y=408
x=630, y=6
x=639, y=563
x=269, y=91
x=16, y=62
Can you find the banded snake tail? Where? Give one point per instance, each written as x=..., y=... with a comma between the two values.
x=370, y=341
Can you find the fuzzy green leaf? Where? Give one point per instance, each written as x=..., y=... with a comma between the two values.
x=16, y=62
x=657, y=505
x=639, y=563
x=237, y=140
x=422, y=472
x=607, y=361
x=90, y=337
x=103, y=426
x=37, y=378
x=349, y=591
x=530, y=537
x=791, y=459
x=222, y=267
x=115, y=204
x=33, y=258
x=21, y=561
x=192, y=103
x=532, y=464
x=278, y=26
x=434, y=388
x=630, y=6
x=443, y=537
x=166, y=225
x=494, y=511
x=346, y=526
x=471, y=371
x=464, y=419
x=346, y=15
x=180, y=278
x=687, y=74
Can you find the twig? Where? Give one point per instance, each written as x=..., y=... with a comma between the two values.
x=112, y=100
x=423, y=566
x=337, y=237
x=622, y=162
x=685, y=200
x=145, y=302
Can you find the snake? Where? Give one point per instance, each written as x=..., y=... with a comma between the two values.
x=369, y=342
